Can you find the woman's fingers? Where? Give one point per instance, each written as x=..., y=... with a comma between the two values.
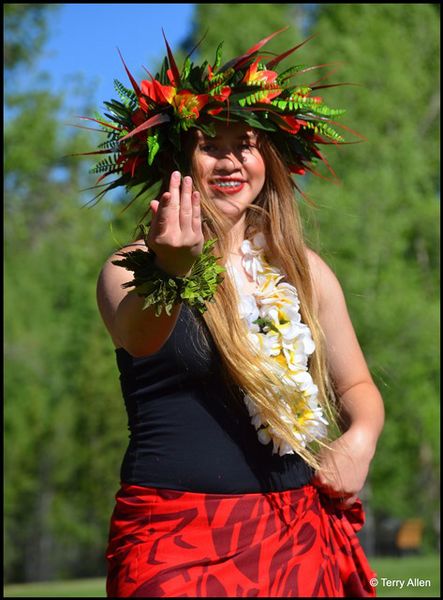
x=196, y=214
x=154, y=206
x=167, y=216
x=334, y=490
x=160, y=220
x=185, y=218
x=346, y=502
x=176, y=217
x=174, y=190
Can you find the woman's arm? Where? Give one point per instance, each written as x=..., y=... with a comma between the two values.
x=176, y=237
x=344, y=467
x=138, y=331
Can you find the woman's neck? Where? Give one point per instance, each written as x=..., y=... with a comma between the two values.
x=237, y=236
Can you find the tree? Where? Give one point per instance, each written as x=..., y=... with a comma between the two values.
x=243, y=25
x=64, y=417
x=25, y=33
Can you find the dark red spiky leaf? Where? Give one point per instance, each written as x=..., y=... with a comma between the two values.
x=109, y=151
x=172, y=63
x=238, y=61
x=330, y=85
x=156, y=120
x=274, y=62
x=106, y=175
x=102, y=123
x=133, y=82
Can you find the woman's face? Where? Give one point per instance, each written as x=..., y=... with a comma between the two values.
x=231, y=167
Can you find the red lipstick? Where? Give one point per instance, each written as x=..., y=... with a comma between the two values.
x=227, y=185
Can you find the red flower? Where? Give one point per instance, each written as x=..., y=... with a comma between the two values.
x=158, y=93
x=265, y=79
x=224, y=94
x=188, y=105
x=253, y=76
x=292, y=125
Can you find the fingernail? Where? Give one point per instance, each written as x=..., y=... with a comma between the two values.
x=187, y=179
x=176, y=175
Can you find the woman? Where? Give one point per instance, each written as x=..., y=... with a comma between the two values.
x=233, y=483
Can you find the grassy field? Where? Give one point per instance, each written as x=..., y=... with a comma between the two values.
x=408, y=577
x=397, y=578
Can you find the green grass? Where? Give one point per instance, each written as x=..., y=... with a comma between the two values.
x=79, y=588
x=394, y=571
x=424, y=568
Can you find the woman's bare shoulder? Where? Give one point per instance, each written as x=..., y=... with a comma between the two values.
x=109, y=269
x=324, y=281
x=316, y=263
x=110, y=290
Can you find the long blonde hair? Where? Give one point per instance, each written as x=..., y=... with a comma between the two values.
x=275, y=213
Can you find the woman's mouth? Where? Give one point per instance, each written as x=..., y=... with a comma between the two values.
x=227, y=186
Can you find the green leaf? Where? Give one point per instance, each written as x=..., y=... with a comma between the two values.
x=218, y=56
x=186, y=69
x=153, y=147
x=288, y=73
x=163, y=291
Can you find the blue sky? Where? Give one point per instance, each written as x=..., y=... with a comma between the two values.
x=83, y=38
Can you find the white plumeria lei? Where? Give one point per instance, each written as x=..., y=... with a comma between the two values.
x=275, y=328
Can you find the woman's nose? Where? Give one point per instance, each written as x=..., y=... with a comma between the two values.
x=229, y=158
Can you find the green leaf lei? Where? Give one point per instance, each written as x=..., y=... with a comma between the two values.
x=162, y=290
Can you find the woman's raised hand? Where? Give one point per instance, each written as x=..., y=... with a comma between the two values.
x=175, y=234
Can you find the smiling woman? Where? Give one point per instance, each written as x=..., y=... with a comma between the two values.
x=233, y=483
x=230, y=164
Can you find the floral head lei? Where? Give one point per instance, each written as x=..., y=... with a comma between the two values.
x=145, y=126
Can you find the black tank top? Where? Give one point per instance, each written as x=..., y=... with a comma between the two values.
x=189, y=428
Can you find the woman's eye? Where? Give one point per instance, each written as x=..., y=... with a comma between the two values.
x=207, y=147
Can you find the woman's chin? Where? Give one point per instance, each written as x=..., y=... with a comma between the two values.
x=229, y=206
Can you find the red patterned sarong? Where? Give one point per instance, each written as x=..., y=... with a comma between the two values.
x=280, y=544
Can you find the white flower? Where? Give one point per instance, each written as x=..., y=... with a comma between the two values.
x=251, y=260
x=249, y=312
x=264, y=436
x=286, y=340
x=270, y=343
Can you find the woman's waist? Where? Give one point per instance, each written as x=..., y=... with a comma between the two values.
x=228, y=467
x=148, y=500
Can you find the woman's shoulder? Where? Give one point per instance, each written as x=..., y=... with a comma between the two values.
x=135, y=245
x=317, y=264
x=325, y=283
x=110, y=291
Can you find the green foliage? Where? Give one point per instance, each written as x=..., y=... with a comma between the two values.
x=128, y=96
x=61, y=386
x=240, y=26
x=163, y=291
x=25, y=32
